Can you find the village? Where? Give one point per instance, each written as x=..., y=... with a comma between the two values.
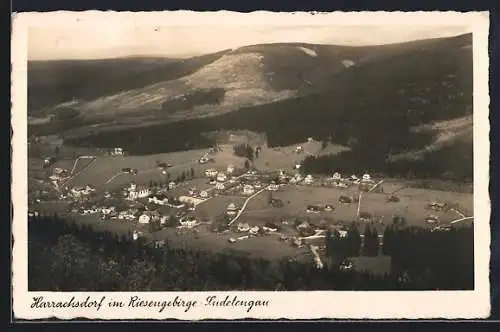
x=241, y=203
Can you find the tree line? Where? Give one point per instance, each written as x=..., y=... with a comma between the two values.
x=65, y=256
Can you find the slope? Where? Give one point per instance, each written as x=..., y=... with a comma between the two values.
x=54, y=82
x=373, y=107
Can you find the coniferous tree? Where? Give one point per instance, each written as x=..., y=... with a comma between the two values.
x=367, y=242
x=353, y=240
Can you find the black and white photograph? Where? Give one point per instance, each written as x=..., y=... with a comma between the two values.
x=235, y=157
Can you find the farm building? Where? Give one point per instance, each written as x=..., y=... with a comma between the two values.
x=230, y=169
x=211, y=173
x=303, y=225
x=254, y=230
x=313, y=209
x=137, y=234
x=144, y=219
x=108, y=210
x=189, y=221
x=130, y=214
x=203, y=194
x=299, y=149
x=231, y=209
x=432, y=219
x=158, y=199
x=117, y=152
x=270, y=227
x=221, y=177
x=366, y=177
x=193, y=191
x=136, y=192
x=248, y=189
x=171, y=185
x=329, y=207
x=309, y=179
x=243, y=227
x=220, y=186
x=81, y=191
x=336, y=176
x=273, y=187
x=437, y=205
x=163, y=220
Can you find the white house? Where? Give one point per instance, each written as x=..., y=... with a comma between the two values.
x=149, y=216
x=342, y=233
x=117, y=152
x=432, y=219
x=158, y=199
x=144, y=219
x=221, y=177
x=163, y=220
x=231, y=209
x=366, y=177
x=230, y=169
x=127, y=215
x=298, y=149
x=204, y=194
x=137, y=234
x=273, y=187
x=336, y=176
x=138, y=192
x=188, y=222
x=254, y=230
x=269, y=229
x=211, y=172
x=309, y=179
x=220, y=186
x=171, y=185
x=81, y=191
x=248, y=189
x=243, y=227
x=122, y=215
x=329, y=208
x=298, y=166
x=107, y=210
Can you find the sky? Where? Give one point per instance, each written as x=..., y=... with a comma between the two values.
x=93, y=42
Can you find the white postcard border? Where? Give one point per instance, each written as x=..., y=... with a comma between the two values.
x=291, y=305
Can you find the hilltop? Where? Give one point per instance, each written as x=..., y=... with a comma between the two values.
x=134, y=91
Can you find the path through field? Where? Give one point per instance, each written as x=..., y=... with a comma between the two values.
x=244, y=206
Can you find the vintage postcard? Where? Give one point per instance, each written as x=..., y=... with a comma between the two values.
x=221, y=165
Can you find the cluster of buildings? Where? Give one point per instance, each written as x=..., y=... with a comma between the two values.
x=250, y=231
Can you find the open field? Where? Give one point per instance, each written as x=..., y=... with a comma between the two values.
x=286, y=157
x=106, y=167
x=413, y=205
x=216, y=206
